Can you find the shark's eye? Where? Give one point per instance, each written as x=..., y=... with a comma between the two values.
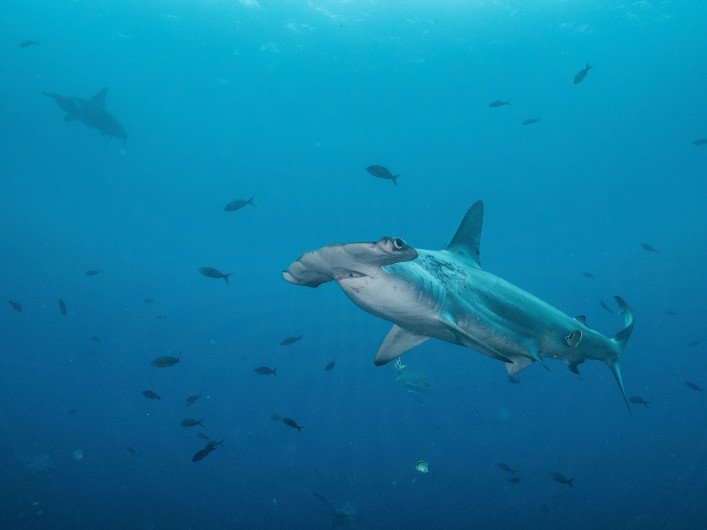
x=398, y=243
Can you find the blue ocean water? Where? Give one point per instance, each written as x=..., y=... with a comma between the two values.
x=289, y=102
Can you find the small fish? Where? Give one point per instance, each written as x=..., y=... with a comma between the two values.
x=290, y=340
x=275, y=416
x=92, y=272
x=499, y=103
x=193, y=399
x=148, y=300
x=382, y=173
x=588, y=275
x=559, y=477
x=422, y=466
x=693, y=386
x=191, y=422
x=238, y=204
x=264, y=370
x=292, y=423
x=506, y=467
x=149, y=394
x=16, y=306
x=165, y=361
x=130, y=450
x=210, y=446
x=670, y=312
x=28, y=43
x=71, y=412
x=700, y=141
x=530, y=121
x=514, y=480
x=638, y=400
x=603, y=304
x=649, y=248
x=210, y=272
x=513, y=379
x=161, y=317
x=330, y=366
x=62, y=307
x=579, y=76
x=95, y=338
x=693, y=343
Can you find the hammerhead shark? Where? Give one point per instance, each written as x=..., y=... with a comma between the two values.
x=446, y=294
x=92, y=112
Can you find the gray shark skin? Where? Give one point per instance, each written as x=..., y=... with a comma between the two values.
x=92, y=112
x=446, y=294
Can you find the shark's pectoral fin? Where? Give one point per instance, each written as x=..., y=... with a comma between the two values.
x=466, y=339
x=573, y=365
x=518, y=363
x=397, y=342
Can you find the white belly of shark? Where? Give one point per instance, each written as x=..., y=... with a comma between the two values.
x=446, y=295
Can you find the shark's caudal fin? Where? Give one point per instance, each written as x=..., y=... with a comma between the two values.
x=467, y=239
x=100, y=97
x=620, y=339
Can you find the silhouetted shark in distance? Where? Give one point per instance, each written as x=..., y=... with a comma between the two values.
x=92, y=112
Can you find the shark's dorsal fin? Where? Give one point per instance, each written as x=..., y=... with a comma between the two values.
x=467, y=239
x=397, y=342
x=100, y=97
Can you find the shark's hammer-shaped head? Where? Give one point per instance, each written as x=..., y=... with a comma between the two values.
x=356, y=267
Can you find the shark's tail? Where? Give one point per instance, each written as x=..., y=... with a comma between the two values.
x=620, y=339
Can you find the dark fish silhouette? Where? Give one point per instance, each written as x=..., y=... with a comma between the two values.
x=514, y=480
x=292, y=423
x=165, y=361
x=559, y=477
x=28, y=43
x=693, y=386
x=693, y=343
x=382, y=173
x=160, y=317
x=210, y=446
x=499, y=103
x=603, y=304
x=290, y=340
x=330, y=366
x=530, y=121
x=649, y=248
x=62, y=307
x=670, y=312
x=264, y=370
x=149, y=394
x=16, y=306
x=92, y=112
x=148, y=300
x=210, y=272
x=94, y=338
x=191, y=422
x=92, y=272
x=588, y=275
x=193, y=399
x=238, y=204
x=72, y=412
x=700, y=141
x=130, y=450
x=579, y=76
x=345, y=516
x=638, y=400
x=506, y=467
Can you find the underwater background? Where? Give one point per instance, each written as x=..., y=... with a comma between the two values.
x=289, y=102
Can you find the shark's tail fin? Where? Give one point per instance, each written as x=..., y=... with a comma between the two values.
x=620, y=339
